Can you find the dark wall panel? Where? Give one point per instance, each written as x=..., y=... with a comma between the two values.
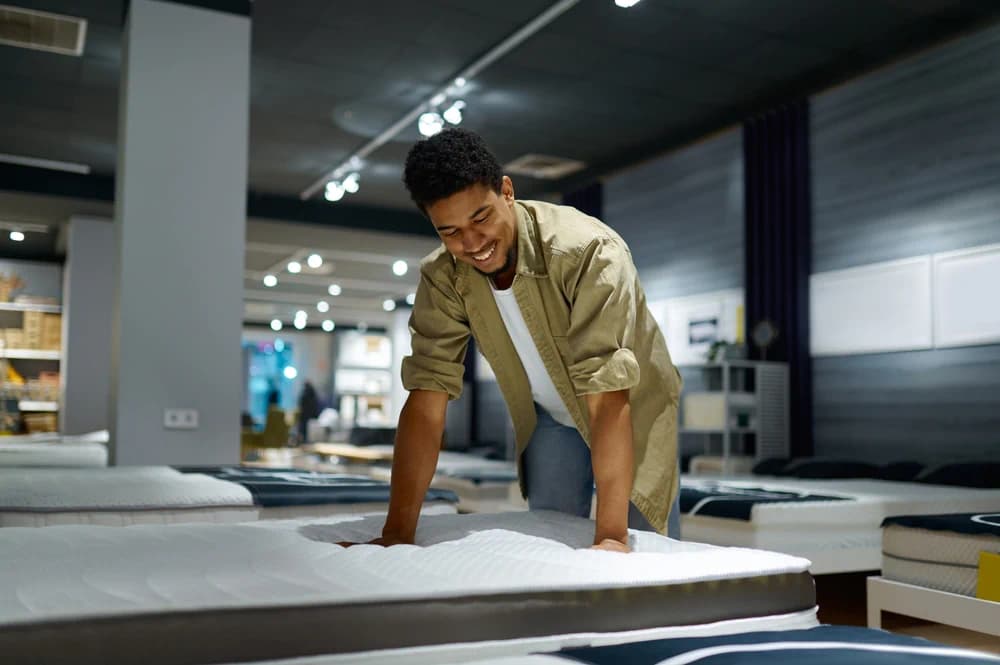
x=682, y=216
x=906, y=161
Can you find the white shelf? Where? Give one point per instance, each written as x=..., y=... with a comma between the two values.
x=28, y=307
x=30, y=354
x=32, y=405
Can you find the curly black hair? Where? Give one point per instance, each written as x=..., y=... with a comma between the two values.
x=449, y=162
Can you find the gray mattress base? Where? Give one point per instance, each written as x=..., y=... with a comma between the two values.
x=199, y=637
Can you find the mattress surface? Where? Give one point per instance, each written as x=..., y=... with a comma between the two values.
x=939, y=551
x=523, y=566
x=114, y=488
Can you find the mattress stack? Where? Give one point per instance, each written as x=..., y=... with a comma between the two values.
x=939, y=551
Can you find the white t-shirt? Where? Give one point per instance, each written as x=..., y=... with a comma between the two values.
x=543, y=391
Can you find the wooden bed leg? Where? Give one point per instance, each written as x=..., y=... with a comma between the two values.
x=874, y=602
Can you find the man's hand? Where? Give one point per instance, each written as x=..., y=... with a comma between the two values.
x=382, y=541
x=612, y=545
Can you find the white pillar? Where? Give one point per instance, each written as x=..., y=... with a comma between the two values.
x=88, y=299
x=399, y=335
x=181, y=223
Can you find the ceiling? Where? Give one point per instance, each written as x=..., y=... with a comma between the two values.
x=603, y=85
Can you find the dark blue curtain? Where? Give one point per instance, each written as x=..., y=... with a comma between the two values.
x=778, y=209
x=588, y=200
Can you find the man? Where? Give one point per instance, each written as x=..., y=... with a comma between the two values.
x=552, y=298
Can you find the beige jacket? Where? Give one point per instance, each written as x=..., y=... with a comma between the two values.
x=580, y=297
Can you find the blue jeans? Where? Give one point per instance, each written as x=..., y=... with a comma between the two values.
x=559, y=476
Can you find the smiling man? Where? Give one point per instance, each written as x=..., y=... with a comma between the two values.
x=552, y=298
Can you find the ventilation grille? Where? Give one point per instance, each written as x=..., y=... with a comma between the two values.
x=42, y=31
x=544, y=167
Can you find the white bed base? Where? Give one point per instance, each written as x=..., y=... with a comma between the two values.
x=951, y=609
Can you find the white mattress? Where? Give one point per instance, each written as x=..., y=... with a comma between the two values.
x=48, y=453
x=941, y=560
x=64, y=572
x=837, y=536
x=118, y=496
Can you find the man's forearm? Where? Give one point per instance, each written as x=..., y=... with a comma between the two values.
x=414, y=460
x=612, y=459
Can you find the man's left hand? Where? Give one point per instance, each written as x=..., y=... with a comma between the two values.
x=612, y=545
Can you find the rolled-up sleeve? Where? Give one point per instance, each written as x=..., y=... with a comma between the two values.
x=439, y=333
x=601, y=333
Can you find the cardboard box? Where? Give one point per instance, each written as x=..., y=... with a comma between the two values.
x=51, y=337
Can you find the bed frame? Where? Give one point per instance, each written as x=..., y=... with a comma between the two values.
x=931, y=605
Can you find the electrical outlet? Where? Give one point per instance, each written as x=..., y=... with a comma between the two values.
x=180, y=419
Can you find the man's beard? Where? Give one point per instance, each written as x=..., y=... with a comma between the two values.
x=511, y=258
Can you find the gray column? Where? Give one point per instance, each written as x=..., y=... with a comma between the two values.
x=88, y=300
x=181, y=226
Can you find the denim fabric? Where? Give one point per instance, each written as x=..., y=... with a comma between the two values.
x=559, y=476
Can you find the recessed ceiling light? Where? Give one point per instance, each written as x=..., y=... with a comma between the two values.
x=626, y=3
x=388, y=304
x=334, y=191
x=276, y=325
x=411, y=298
x=301, y=314
x=322, y=306
x=294, y=267
x=290, y=372
x=299, y=324
x=399, y=268
x=314, y=261
x=334, y=290
x=329, y=325
x=270, y=280
x=16, y=236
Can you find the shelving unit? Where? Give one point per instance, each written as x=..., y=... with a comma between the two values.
x=29, y=307
x=753, y=399
x=33, y=403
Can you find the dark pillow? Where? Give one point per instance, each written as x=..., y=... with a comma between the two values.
x=900, y=471
x=964, y=474
x=772, y=466
x=830, y=469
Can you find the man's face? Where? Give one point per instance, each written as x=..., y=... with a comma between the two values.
x=479, y=227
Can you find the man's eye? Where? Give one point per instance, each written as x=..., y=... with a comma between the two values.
x=480, y=221
x=449, y=234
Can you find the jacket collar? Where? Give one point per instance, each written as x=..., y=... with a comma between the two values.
x=530, y=258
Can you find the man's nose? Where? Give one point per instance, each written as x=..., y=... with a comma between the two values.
x=472, y=241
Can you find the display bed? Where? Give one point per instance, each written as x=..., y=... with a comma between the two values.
x=293, y=493
x=54, y=450
x=833, y=523
x=218, y=593
x=118, y=496
x=930, y=569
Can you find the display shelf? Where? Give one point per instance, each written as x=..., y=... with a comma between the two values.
x=29, y=307
x=36, y=405
x=30, y=354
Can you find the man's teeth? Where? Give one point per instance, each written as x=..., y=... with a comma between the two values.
x=485, y=255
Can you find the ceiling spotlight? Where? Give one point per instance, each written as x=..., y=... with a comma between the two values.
x=352, y=183
x=460, y=82
x=275, y=325
x=388, y=304
x=334, y=191
x=411, y=298
x=438, y=99
x=399, y=268
x=328, y=325
x=334, y=290
x=270, y=280
x=16, y=236
x=626, y=3
x=299, y=324
x=323, y=306
x=290, y=372
x=314, y=261
x=301, y=314
x=355, y=162
x=294, y=267
x=430, y=124
x=453, y=113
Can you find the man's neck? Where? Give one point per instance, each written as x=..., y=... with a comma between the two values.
x=502, y=281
